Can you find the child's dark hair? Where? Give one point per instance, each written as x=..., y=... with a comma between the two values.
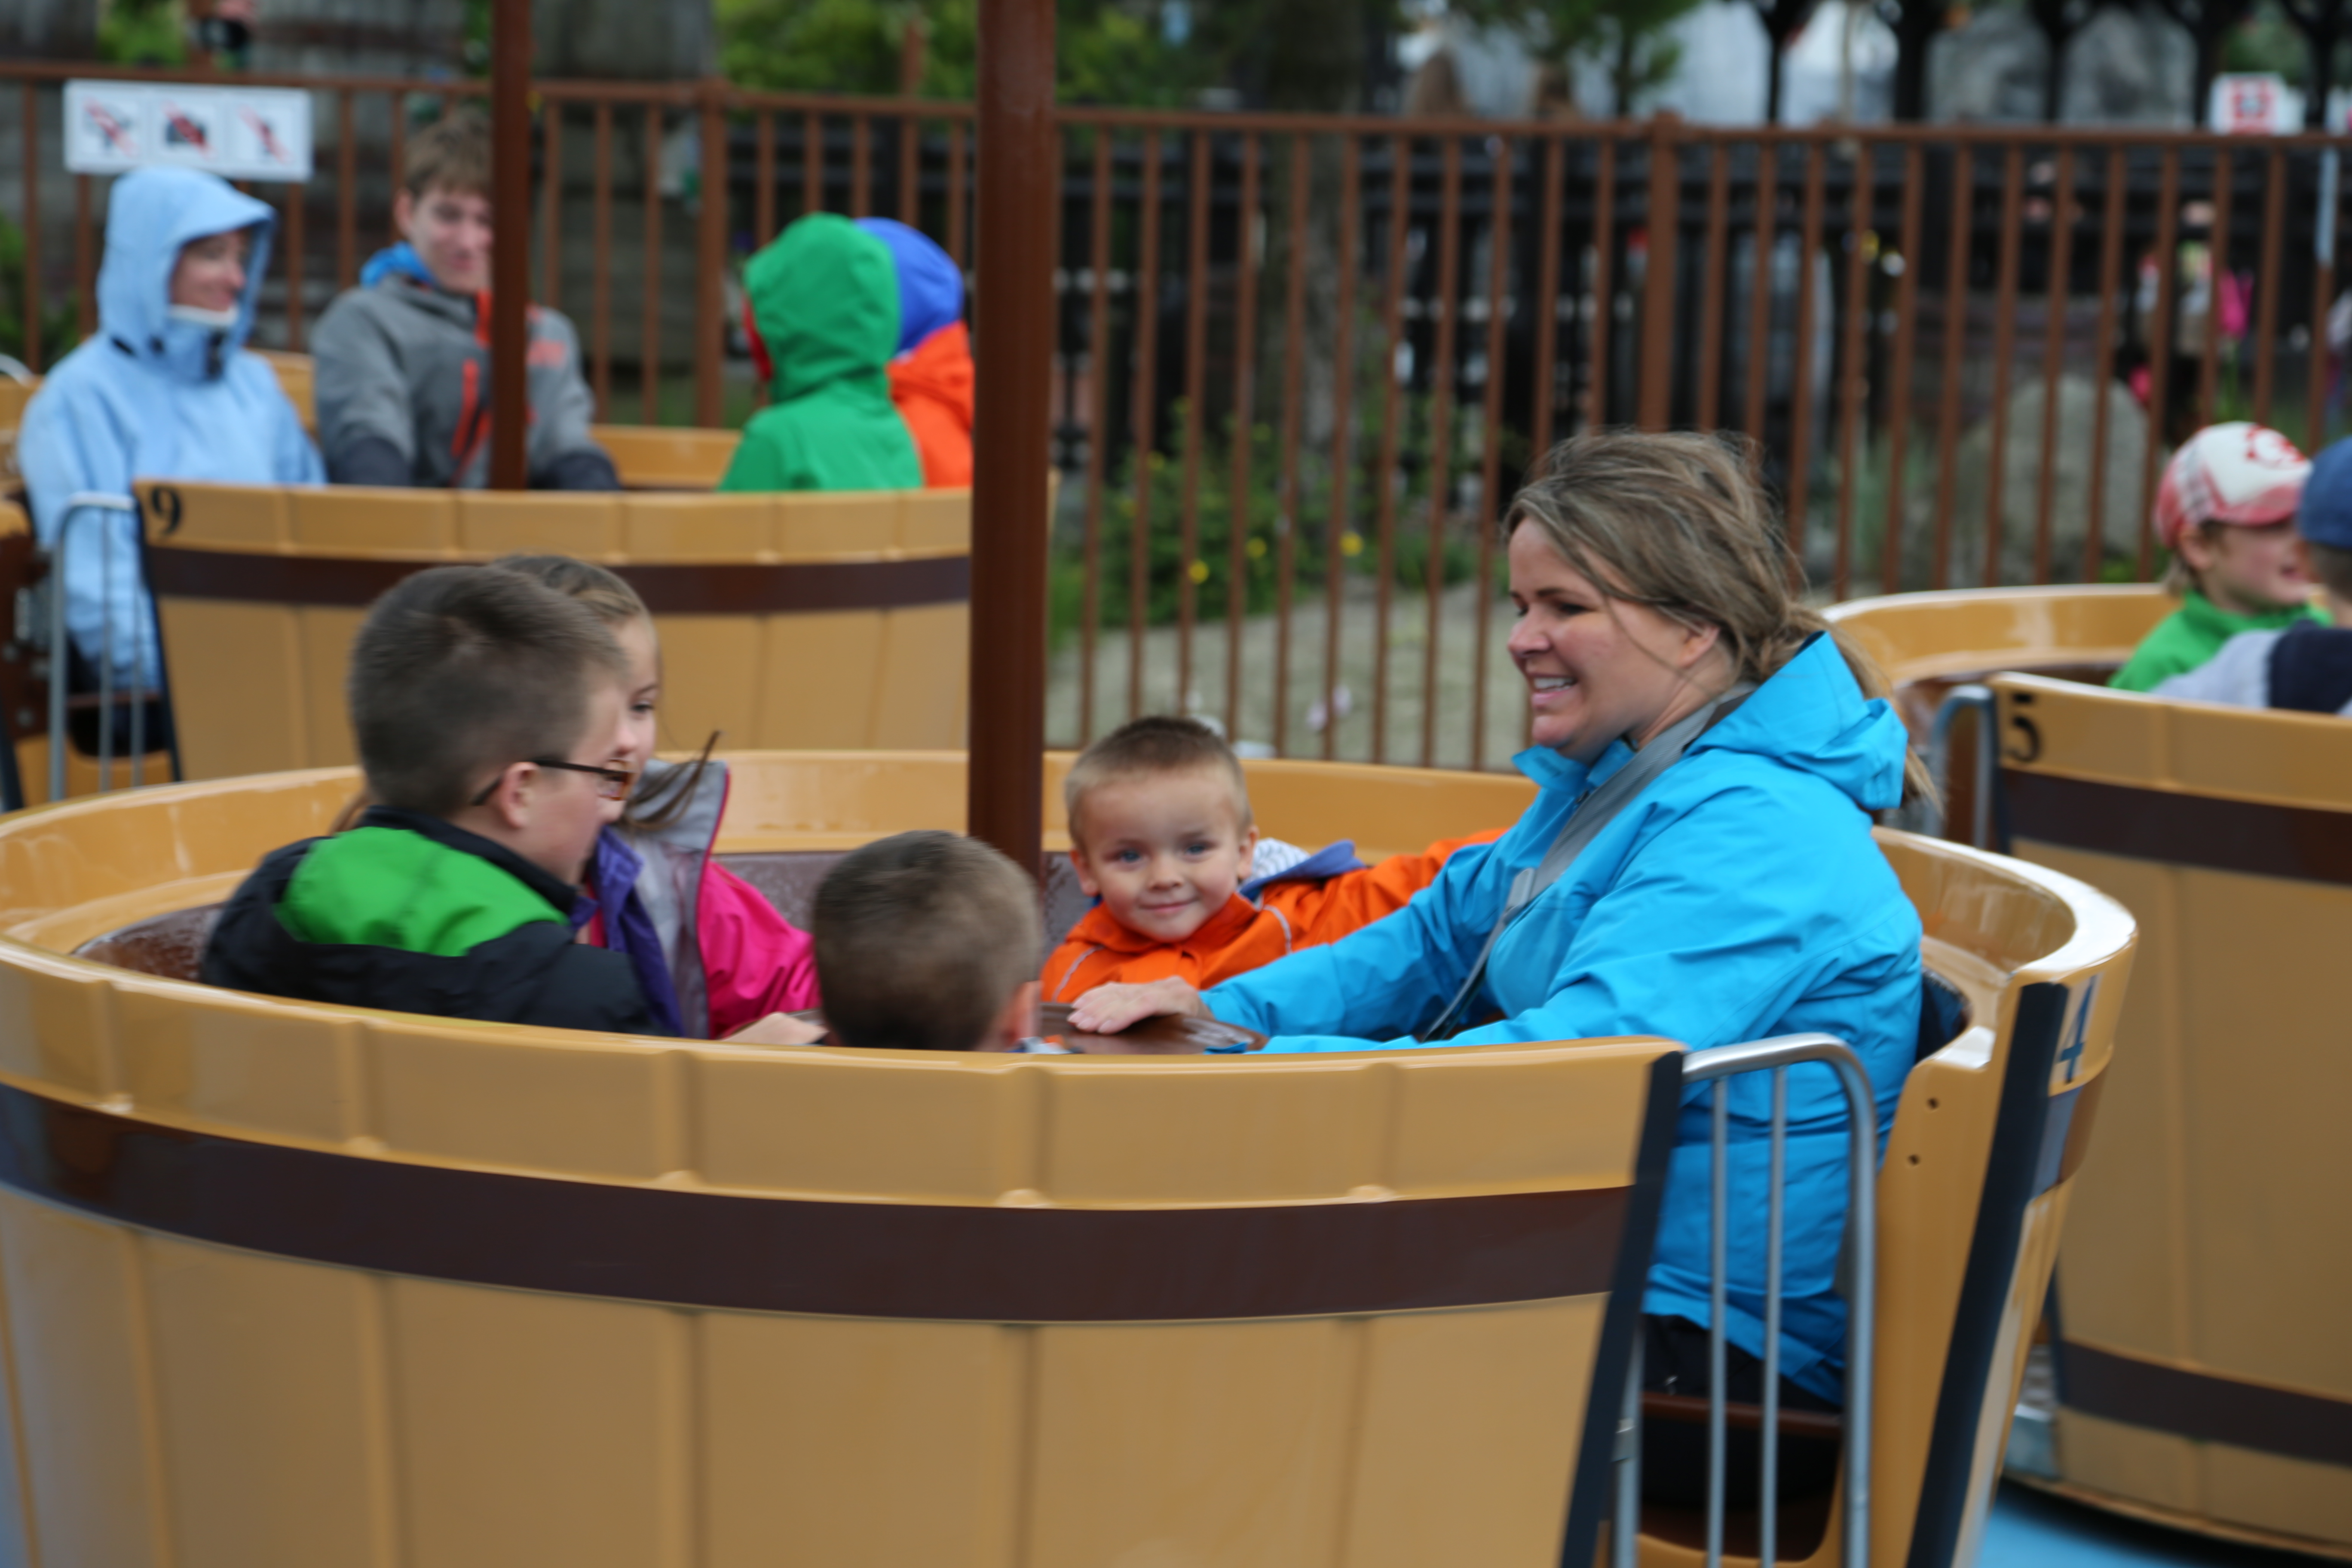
x=458, y=672
x=1156, y=744
x=921, y=939
x=658, y=801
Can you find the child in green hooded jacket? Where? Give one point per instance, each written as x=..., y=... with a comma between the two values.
x=824, y=304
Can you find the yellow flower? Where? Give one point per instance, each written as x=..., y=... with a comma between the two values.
x=1258, y=549
x=1351, y=544
x=1199, y=572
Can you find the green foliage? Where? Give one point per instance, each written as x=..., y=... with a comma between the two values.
x=56, y=317
x=143, y=33
x=1628, y=37
x=1140, y=53
x=1108, y=52
x=1210, y=565
x=2267, y=41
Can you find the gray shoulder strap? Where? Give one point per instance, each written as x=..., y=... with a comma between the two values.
x=1595, y=810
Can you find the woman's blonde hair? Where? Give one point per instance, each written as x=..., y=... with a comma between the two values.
x=1675, y=520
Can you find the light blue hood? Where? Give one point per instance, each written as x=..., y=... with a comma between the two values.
x=1813, y=718
x=1738, y=896
x=150, y=215
x=150, y=397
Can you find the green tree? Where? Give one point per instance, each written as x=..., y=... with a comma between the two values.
x=1109, y=53
x=142, y=32
x=1631, y=39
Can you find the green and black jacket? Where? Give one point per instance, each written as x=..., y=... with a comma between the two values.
x=406, y=911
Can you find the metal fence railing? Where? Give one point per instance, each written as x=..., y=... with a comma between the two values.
x=1302, y=359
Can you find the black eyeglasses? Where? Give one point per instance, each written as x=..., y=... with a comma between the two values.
x=614, y=779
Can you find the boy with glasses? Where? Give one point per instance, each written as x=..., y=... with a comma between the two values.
x=489, y=711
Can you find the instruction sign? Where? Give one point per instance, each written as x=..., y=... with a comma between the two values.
x=237, y=132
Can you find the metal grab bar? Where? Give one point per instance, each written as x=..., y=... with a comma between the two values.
x=78, y=505
x=1940, y=761
x=1860, y=1273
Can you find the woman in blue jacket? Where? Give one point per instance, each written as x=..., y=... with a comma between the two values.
x=163, y=390
x=1733, y=894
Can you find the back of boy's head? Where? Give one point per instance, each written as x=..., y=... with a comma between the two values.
x=2325, y=520
x=452, y=155
x=1158, y=745
x=606, y=593
x=921, y=941
x=460, y=670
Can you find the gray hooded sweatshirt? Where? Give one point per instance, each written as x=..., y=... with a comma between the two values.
x=404, y=387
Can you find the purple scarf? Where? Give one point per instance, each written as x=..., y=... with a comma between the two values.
x=628, y=927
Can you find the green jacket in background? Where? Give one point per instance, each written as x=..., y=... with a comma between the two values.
x=2191, y=635
x=825, y=296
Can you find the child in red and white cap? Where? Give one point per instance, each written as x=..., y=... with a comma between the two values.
x=2226, y=510
x=2306, y=668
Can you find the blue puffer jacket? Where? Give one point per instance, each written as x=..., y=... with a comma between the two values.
x=153, y=397
x=1738, y=897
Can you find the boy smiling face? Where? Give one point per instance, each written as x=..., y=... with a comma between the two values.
x=1165, y=851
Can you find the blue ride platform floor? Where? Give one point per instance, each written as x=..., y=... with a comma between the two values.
x=2033, y=1530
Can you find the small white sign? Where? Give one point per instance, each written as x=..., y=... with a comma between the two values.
x=2254, y=103
x=237, y=132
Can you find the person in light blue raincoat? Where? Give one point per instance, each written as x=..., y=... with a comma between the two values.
x=165, y=389
x=1732, y=893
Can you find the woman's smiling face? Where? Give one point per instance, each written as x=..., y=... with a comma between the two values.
x=1598, y=669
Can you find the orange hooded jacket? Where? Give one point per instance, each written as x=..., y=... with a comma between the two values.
x=930, y=383
x=1243, y=935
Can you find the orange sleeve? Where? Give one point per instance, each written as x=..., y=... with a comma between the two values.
x=944, y=448
x=1078, y=966
x=1329, y=910
x=1074, y=969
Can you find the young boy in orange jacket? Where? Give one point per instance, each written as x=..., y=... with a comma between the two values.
x=1160, y=833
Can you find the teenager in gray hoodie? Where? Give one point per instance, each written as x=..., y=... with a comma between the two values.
x=404, y=360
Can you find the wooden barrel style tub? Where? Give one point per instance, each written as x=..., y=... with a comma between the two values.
x=293, y=1285
x=2202, y=1376
x=831, y=620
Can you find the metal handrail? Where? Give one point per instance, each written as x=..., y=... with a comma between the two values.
x=1939, y=760
x=79, y=504
x=1860, y=1274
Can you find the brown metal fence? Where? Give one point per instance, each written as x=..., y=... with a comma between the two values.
x=1302, y=359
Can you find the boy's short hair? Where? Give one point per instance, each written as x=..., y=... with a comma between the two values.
x=2179, y=576
x=1154, y=745
x=453, y=152
x=921, y=939
x=459, y=670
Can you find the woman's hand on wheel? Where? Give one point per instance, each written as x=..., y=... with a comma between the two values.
x=1108, y=1009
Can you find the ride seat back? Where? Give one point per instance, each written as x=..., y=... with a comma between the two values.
x=1972, y=1191
x=666, y=457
